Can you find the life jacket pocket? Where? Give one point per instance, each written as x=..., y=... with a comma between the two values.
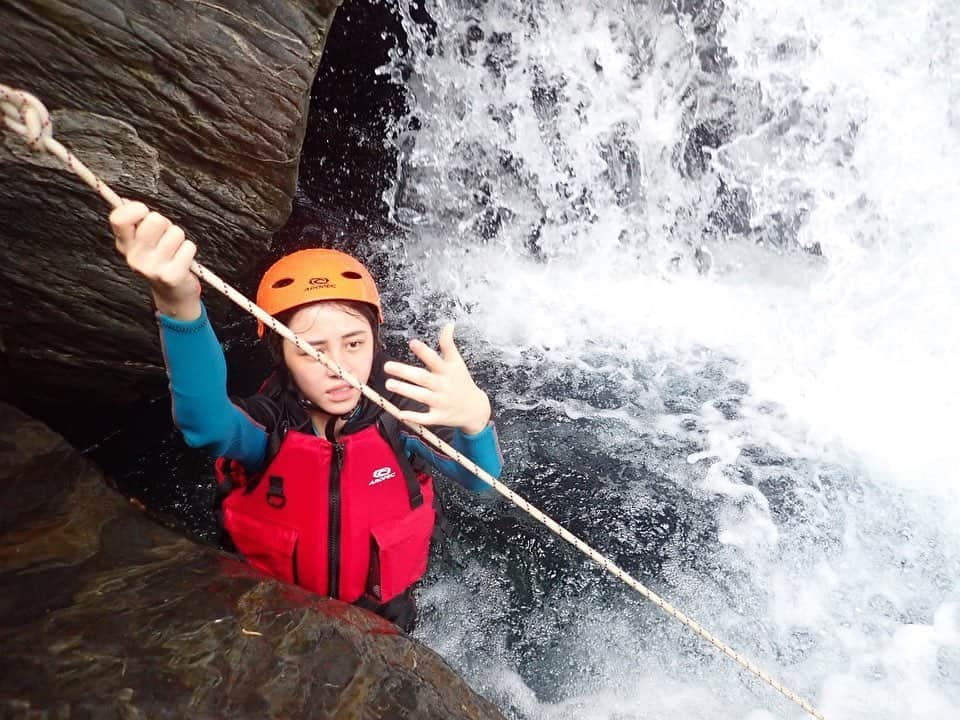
x=267, y=546
x=399, y=552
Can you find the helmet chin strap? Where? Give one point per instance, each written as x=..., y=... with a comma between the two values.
x=310, y=405
x=329, y=429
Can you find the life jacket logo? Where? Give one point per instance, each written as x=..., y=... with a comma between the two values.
x=381, y=474
x=319, y=283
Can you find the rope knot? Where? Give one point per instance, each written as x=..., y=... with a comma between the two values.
x=26, y=116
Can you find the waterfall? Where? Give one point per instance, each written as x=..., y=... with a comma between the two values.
x=704, y=258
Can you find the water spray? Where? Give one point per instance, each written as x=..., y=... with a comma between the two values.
x=26, y=116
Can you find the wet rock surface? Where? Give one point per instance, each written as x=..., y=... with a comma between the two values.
x=200, y=110
x=104, y=613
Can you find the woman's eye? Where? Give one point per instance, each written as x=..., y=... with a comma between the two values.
x=354, y=344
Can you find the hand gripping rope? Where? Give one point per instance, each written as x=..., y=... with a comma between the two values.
x=27, y=117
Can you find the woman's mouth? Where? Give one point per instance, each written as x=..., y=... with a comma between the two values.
x=340, y=393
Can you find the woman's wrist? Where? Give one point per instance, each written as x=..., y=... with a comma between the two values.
x=184, y=308
x=480, y=418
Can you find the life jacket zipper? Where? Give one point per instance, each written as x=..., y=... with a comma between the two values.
x=333, y=537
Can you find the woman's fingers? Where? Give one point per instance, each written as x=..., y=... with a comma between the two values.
x=410, y=373
x=168, y=244
x=448, y=348
x=435, y=362
x=158, y=250
x=151, y=229
x=421, y=418
x=123, y=222
x=184, y=257
x=445, y=386
x=428, y=356
x=150, y=254
x=413, y=392
x=153, y=246
x=137, y=230
x=176, y=270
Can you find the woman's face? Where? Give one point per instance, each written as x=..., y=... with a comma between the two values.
x=346, y=338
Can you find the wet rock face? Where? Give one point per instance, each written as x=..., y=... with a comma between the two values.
x=197, y=108
x=103, y=613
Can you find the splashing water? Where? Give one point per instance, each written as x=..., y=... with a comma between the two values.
x=710, y=251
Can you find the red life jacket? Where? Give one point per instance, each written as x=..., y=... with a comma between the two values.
x=341, y=519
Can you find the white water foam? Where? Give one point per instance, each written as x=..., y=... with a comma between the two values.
x=544, y=194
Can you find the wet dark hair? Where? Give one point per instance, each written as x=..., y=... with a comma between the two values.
x=365, y=310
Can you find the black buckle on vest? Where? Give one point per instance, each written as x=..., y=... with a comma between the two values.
x=275, y=497
x=413, y=484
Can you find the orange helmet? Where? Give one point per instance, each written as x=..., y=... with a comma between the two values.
x=311, y=275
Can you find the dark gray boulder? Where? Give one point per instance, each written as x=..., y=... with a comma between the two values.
x=104, y=613
x=197, y=108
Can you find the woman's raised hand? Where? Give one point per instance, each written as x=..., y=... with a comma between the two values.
x=157, y=249
x=444, y=385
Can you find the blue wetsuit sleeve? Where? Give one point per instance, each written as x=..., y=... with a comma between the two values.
x=202, y=409
x=483, y=448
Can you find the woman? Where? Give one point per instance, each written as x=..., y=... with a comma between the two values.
x=321, y=488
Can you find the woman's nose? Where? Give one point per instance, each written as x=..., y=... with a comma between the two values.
x=337, y=358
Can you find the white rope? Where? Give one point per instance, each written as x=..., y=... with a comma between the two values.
x=27, y=116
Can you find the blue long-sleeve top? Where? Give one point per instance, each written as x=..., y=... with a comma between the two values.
x=208, y=418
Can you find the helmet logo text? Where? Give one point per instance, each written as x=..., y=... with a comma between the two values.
x=317, y=283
